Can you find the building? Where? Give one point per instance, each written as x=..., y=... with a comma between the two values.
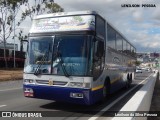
x=148, y=59
x=9, y=46
x=18, y=58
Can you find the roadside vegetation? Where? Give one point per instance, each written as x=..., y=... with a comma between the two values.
x=11, y=74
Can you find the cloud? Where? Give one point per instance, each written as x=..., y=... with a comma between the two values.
x=137, y=16
x=141, y=26
x=137, y=24
x=156, y=14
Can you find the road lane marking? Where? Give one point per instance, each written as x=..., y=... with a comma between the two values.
x=10, y=89
x=114, y=102
x=2, y=106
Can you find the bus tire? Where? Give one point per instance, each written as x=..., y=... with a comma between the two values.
x=106, y=88
x=130, y=78
x=127, y=82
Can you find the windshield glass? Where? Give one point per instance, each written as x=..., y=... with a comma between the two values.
x=73, y=55
x=39, y=54
x=60, y=55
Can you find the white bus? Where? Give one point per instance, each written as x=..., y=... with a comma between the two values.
x=76, y=57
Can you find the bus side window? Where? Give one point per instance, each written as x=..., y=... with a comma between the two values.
x=98, y=61
x=100, y=49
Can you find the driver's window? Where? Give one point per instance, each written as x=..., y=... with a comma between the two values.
x=98, y=61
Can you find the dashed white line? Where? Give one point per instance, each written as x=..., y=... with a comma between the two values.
x=10, y=89
x=114, y=102
x=2, y=106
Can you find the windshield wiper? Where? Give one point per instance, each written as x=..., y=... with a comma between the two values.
x=59, y=57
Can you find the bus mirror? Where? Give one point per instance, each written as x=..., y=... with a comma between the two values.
x=24, y=41
x=24, y=45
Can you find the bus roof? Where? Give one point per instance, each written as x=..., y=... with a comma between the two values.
x=61, y=14
x=74, y=13
x=64, y=21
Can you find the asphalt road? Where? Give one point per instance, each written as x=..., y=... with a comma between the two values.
x=12, y=99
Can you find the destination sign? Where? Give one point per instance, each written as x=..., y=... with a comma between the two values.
x=69, y=23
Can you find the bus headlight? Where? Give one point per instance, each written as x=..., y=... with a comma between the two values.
x=76, y=84
x=28, y=81
x=79, y=85
x=86, y=85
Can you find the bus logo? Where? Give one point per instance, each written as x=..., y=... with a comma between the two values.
x=50, y=82
x=116, y=60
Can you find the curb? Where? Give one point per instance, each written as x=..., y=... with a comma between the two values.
x=6, y=80
x=140, y=102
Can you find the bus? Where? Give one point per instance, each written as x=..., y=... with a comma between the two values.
x=76, y=57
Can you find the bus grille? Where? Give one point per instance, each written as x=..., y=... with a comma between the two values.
x=46, y=82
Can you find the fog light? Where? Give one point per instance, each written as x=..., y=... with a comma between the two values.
x=76, y=95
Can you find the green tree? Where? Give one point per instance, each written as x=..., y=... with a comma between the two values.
x=8, y=11
x=22, y=37
x=35, y=8
x=137, y=63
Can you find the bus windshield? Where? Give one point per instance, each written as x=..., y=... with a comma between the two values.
x=39, y=55
x=60, y=55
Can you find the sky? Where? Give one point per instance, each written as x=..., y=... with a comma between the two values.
x=140, y=25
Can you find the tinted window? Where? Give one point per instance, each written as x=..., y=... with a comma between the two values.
x=98, y=62
x=111, y=37
x=132, y=51
x=124, y=46
x=100, y=27
x=70, y=55
x=71, y=46
x=119, y=42
x=128, y=48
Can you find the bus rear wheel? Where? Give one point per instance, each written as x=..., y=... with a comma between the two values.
x=130, y=78
x=128, y=82
x=104, y=92
x=106, y=89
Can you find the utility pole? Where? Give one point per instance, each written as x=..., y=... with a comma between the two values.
x=14, y=33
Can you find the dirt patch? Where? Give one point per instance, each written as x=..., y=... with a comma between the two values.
x=11, y=74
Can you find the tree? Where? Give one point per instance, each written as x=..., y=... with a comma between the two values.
x=7, y=8
x=10, y=8
x=36, y=8
x=22, y=37
x=137, y=63
x=40, y=7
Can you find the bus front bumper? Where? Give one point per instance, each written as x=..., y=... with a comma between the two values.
x=72, y=95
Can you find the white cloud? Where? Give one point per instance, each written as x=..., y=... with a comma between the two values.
x=138, y=16
x=156, y=14
x=135, y=23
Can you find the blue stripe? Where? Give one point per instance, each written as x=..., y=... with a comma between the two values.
x=63, y=94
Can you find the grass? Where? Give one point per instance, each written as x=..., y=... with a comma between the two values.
x=11, y=74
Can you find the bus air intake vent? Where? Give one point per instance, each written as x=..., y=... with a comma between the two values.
x=47, y=82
